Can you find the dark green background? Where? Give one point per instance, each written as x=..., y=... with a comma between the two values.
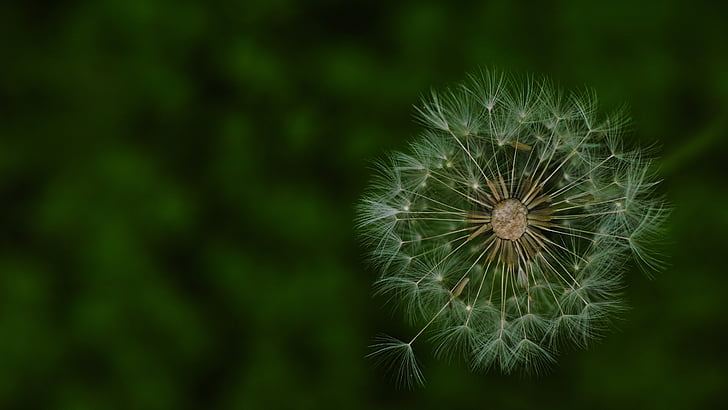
x=177, y=182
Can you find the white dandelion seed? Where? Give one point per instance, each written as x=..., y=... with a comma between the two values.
x=505, y=232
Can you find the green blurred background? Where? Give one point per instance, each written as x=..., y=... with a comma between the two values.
x=177, y=182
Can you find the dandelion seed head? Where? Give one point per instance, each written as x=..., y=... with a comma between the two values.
x=506, y=229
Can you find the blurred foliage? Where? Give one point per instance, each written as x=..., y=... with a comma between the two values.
x=177, y=181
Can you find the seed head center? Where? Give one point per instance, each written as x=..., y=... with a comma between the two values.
x=509, y=219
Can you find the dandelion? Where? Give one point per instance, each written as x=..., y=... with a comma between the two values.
x=505, y=231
